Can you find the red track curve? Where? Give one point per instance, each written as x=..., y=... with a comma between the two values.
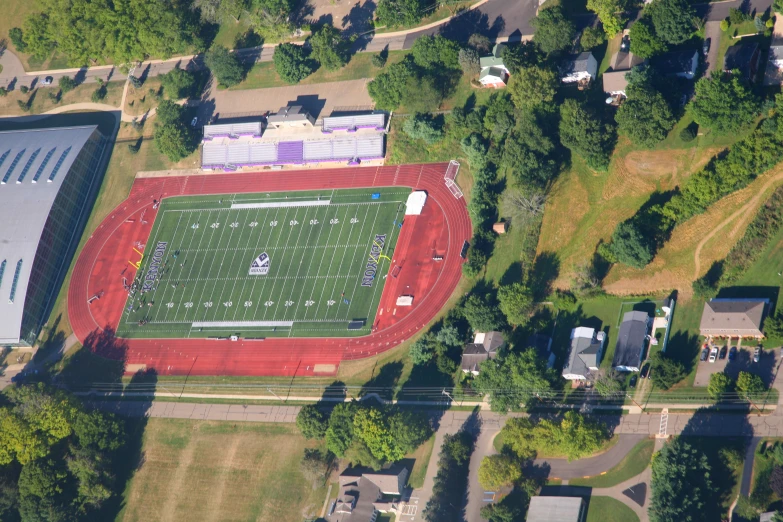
x=273, y=356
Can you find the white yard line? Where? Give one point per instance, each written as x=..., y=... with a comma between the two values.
x=231, y=263
x=217, y=304
x=197, y=303
x=364, y=260
x=279, y=238
x=192, y=263
x=320, y=264
x=383, y=280
x=242, y=297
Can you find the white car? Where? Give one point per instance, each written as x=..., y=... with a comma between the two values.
x=713, y=354
x=47, y=81
x=194, y=121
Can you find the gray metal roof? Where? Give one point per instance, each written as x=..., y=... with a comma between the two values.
x=555, y=509
x=33, y=165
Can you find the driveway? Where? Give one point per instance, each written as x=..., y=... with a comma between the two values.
x=319, y=99
x=712, y=32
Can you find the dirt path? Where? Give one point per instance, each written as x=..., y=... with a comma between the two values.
x=739, y=212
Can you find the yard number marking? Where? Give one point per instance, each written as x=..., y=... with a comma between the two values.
x=309, y=303
x=169, y=305
x=188, y=305
x=289, y=303
x=293, y=222
x=234, y=224
x=214, y=225
x=208, y=304
x=248, y=304
x=273, y=223
x=334, y=221
x=253, y=224
x=228, y=304
x=313, y=221
x=269, y=303
x=330, y=302
x=354, y=221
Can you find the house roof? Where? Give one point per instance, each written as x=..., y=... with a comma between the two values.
x=494, y=59
x=485, y=346
x=741, y=316
x=584, y=348
x=615, y=81
x=631, y=339
x=676, y=62
x=494, y=72
x=555, y=509
x=491, y=341
x=624, y=61
x=740, y=56
x=576, y=64
x=360, y=491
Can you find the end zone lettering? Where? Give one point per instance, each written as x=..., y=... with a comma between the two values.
x=372, y=259
x=152, y=271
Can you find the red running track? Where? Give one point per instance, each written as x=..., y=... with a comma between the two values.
x=441, y=229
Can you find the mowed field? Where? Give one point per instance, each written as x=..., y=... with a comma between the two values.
x=258, y=265
x=219, y=471
x=585, y=207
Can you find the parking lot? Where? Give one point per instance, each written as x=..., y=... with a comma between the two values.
x=743, y=362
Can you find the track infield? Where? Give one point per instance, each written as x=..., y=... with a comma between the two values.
x=302, y=264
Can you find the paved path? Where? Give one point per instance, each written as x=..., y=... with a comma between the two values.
x=713, y=32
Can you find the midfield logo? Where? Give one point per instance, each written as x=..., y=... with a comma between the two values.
x=260, y=265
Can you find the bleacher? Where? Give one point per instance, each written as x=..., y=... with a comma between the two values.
x=233, y=130
x=353, y=123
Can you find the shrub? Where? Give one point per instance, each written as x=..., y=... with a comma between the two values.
x=724, y=25
x=17, y=38
x=592, y=37
x=424, y=127
x=564, y=301
x=99, y=94
x=378, y=60
x=24, y=89
x=66, y=84
x=3, y=91
x=687, y=134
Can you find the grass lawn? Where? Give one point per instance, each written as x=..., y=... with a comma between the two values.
x=421, y=459
x=40, y=103
x=763, y=464
x=263, y=75
x=633, y=464
x=196, y=470
x=138, y=101
x=607, y=509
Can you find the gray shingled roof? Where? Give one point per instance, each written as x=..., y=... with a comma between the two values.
x=732, y=317
x=631, y=340
x=555, y=509
x=33, y=165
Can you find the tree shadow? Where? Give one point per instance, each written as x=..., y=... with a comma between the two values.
x=546, y=268
x=102, y=358
x=384, y=382
x=683, y=347
x=54, y=343
x=359, y=18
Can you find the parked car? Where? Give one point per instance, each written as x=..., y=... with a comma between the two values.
x=723, y=352
x=713, y=354
x=704, y=353
x=706, y=47
x=757, y=354
x=733, y=353
x=634, y=378
x=194, y=121
x=625, y=43
x=645, y=371
x=47, y=81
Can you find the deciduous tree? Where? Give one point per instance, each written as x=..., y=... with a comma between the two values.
x=389, y=87
x=516, y=302
x=312, y=422
x=682, y=485
x=583, y=132
x=482, y=316
x=750, y=385
x=397, y=13
x=610, y=14
x=498, y=471
x=533, y=86
x=292, y=62
x=329, y=48
x=724, y=104
x=673, y=20
x=224, y=65
x=553, y=30
x=719, y=384
x=513, y=380
x=644, y=42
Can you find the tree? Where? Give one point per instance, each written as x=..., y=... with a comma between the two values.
x=776, y=481
x=577, y=437
x=371, y=425
x=482, y=316
x=422, y=351
x=480, y=43
x=773, y=325
x=178, y=83
x=591, y=38
x=423, y=126
x=512, y=380
x=389, y=87
x=37, y=38
x=3, y=92
x=397, y=13
x=17, y=38
x=516, y=302
x=475, y=148
x=312, y=422
x=644, y=42
x=315, y=466
x=682, y=487
x=435, y=52
x=553, y=30
x=666, y=372
x=645, y=116
x=778, y=516
x=530, y=155
x=610, y=14
x=329, y=48
x=469, y=61
x=723, y=103
x=533, y=86
x=498, y=471
x=360, y=455
x=630, y=247
x=172, y=135
x=409, y=429
x=217, y=11
x=607, y=387
x=339, y=434
x=673, y=20
x=750, y=385
x=43, y=492
x=66, y=84
x=379, y=60
x=449, y=335
x=225, y=65
x=583, y=132
x=292, y=63
x=719, y=384
x=521, y=55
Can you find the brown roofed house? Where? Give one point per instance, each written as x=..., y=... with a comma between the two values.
x=364, y=494
x=733, y=318
x=614, y=78
x=484, y=346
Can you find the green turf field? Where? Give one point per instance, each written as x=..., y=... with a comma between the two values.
x=261, y=265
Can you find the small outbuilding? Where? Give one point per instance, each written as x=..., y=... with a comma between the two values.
x=500, y=228
x=494, y=72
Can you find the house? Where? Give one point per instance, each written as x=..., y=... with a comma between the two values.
x=542, y=344
x=556, y=509
x=767, y=517
x=493, y=72
x=733, y=318
x=682, y=64
x=631, y=341
x=584, y=356
x=365, y=494
x=579, y=68
x=291, y=116
x=614, y=77
x=743, y=59
x=484, y=346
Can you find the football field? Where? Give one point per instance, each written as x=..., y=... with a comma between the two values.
x=300, y=264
